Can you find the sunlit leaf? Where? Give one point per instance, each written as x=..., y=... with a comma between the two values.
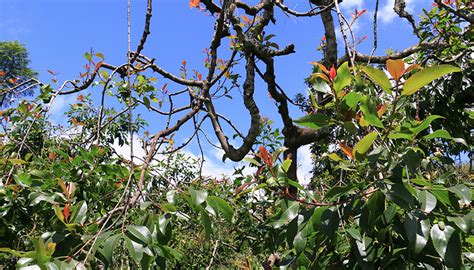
x=425, y=76
x=396, y=68
x=379, y=77
x=365, y=143
x=427, y=201
x=221, y=206
x=343, y=77
x=314, y=121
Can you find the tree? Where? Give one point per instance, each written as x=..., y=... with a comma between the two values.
x=15, y=73
x=390, y=198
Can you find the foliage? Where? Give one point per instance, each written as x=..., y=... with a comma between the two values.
x=14, y=70
x=388, y=196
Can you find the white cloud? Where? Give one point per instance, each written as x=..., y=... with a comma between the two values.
x=59, y=106
x=213, y=165
x=305, y=165
x=387, y=14
x=351, y=4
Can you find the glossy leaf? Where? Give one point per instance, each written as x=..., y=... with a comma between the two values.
x=80, y=213
x=427, y=201
x=288, y=215
x=314, y=121
x=365, y=143
x=206, y=222
x=343, y=77
x=425, y=76
x=198, y=196
x=396, y=68
x=379, y=77
x=440, y=133
x=418, y=232
x=441, y=237
x=425, y=124
x=219, y=205
x=352, y=99
x=134, y=249
x=141, y=234
x=299, y=242
x=109, y=247
x=370, y=112
x=463, y=192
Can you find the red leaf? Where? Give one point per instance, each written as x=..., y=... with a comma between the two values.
x=267, y=159
x=66, y=212
x=194, y=3
x=2, y=73
x=164, y=87
x=362, y=12
x=332, y=72
x=246, y=19
x=347, y=150
x=80, y=98
x=396, y=68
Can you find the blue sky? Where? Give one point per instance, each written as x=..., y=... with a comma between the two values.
x=57, y=33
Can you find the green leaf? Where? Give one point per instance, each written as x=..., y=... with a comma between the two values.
x=352, y=99
x=427, y=201
x=206, y=222
x=354, y=233
x=334, y=157
x=80, y=213
x=146, y=102
x=453, y=252
x=23, y=179
x=370, y=112
x=299, y=242
x=58, y=212
x=16, y=161
x=338, y=191
x=13, y=252
x=88, y=56
x=288, y=215
x=463, y=192
x=134, y=249
x=286, y=165
x=442, y=196
x=440, y=133
x=171, y=196
x=329, y=222
x=425, y=124
x=418, y=232
x=343, y=77
x=100, y=55
x=314, y=121
x=198, y=196
x=379, y=77
x=146, y=261
x=252, y=160
x=425, y=76
x=109, y=247
x=365, y=143
x=463, y=223
x=38, y=197
x=41, y=252
x=221, y=206
x=441, y=241
x=139, y=234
